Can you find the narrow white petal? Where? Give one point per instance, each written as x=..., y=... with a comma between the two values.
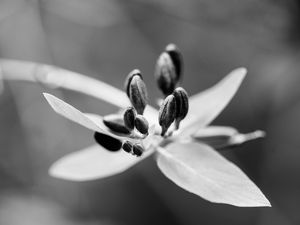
x=222, y=137
x=199, y=169
x=207, y=105
x=92, y=163
x=211, y=131
x=71, y=113
x=215, y=136
x=90, y=121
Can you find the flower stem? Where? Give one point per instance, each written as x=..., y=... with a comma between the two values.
x=54, y=77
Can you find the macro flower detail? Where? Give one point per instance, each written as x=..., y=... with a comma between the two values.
x=116, y=123
x=141, y=124
x=167, y=113
x=182, y=105
x=129, y=118
x=185, y=153
x=136, y=91
x=108, y=142
x=168, y=70
x=177, y=59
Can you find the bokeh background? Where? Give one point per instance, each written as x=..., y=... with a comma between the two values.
x=106, y=39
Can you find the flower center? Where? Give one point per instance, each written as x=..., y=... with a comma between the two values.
x=174, y=107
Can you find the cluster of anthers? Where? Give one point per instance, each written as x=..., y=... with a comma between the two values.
x=132, y=123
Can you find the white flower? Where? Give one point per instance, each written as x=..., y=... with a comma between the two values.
x=187, y=157
x=184, y=157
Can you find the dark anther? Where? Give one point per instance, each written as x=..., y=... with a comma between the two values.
x=115, y=122
x=166, y=114
x=127, y=146
x=138, y=94
x=129, y=78
x=141, y=124
x=129, y=117
x=182, y=105
x=177, y=59
x=165, y=74
x=108, y=142
x=138, y=149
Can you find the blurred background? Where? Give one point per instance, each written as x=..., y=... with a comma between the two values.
x=106, y=39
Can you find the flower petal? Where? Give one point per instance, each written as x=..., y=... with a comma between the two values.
x=221, y=137
x=92, y=163
x=199, y=169
x=207, y=105
x=215, y=136
x=89, y=121
x=71, y=113
x=211, y=131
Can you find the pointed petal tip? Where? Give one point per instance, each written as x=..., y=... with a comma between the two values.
x=260, y=134
x=260, y=202
x=268, y=204
x=264, y=203
x=48, y=97
x=45, y=94
x=53, y=172
x=241, y=71
x=56, y=171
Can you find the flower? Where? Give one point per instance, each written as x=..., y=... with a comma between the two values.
x=185, y=153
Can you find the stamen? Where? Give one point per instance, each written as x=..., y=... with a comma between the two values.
x=129, y=78
x=167, y=113
x=115, y=122
x=127, y=146
x=108, y=142
x=141, y=124
x=129, y=117
x=177, y=59
x=182, y=105
x=138, y=149
x=138, y=93
x=165, y=74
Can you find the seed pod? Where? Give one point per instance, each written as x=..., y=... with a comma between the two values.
x=138, y=149
x=127, y=146
x=115, y=122
x=129, y=78
x=167, y=113
x=177, y=59
x=138, y=94
x=108, y=142
x=141, y=124
x=165, y=74
x=129, y=117
x=182, y=105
